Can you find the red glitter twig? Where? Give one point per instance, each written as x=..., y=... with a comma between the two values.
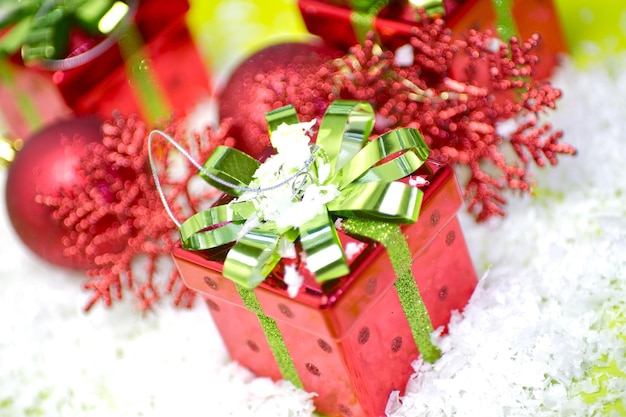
x=456, y=91
x=117, y=219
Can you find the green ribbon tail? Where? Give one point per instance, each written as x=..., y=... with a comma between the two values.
x=273, y=336
x=505, y=23
x=151, y=97
x=254, y=256
x=13, y=38
x=324, y=253
x=391, y=237
x=362, y=24
x=13, y=12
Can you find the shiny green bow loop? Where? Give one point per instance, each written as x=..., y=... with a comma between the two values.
x=215, y=226
x=352, y=120
x=362, y=172
x=229, y=170
x=389, y=157
x=392, y=202
x=324, y=253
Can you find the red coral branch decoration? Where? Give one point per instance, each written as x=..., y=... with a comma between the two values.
x=118, y=219
x=458, y=91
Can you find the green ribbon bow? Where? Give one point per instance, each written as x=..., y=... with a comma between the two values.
x=41, y=28
x=364, y=172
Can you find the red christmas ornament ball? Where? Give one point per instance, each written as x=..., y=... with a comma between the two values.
x=48, y=162
x=243, y=98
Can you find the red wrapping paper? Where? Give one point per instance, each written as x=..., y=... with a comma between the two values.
x=393, y=25
x=349, y=339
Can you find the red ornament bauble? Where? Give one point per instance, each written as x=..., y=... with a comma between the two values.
x=48, y=162
x=242, y=98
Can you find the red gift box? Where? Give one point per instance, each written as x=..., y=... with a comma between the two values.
x=158, y=41
x=393, y=24
x=103, y=85
x=349, y=339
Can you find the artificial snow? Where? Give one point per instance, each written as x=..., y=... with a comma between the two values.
x=293, y=279
x=538, y=338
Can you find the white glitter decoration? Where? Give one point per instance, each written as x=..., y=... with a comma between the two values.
x=404, y=56
x=279, y=204
x=417, y=181
x=351, y=249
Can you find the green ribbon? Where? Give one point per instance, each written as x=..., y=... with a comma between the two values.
x=391, y=237
x=364, y=172
x=274, y=338
x=432, y=7
x=41, y=28
x=505, y=23
x=151, y=97
x=363, y=16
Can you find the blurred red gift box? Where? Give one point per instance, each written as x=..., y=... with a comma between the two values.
x=149, y=65
x=336, y=23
